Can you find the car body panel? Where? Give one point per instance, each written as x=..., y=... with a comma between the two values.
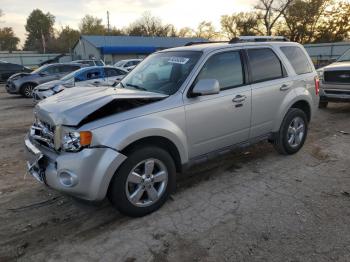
x=196, y=125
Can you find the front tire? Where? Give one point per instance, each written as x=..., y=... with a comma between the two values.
x=293, y=132
x=27, y=90
x=143, y=182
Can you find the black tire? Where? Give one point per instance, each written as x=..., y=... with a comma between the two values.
x=322, y=104
x=117, y=193
x=280, y=142
x=27, y=90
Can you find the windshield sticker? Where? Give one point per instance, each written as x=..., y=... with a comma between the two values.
x=178, y=60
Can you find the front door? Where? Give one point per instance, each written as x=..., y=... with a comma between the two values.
x=215, y=122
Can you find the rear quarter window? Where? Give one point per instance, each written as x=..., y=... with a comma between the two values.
x=298, y=59
x=265, y=65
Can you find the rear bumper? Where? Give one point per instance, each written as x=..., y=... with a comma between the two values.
x=89, y=171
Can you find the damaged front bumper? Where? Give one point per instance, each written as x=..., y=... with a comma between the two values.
x=85, y=174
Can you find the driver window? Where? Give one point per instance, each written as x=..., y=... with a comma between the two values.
x=93, y=74
x=226, y=68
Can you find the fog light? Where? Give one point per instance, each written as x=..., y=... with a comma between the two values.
x=68, y=179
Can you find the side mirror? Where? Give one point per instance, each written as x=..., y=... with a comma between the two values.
x=206, y=87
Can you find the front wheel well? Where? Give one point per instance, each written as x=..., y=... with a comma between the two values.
x=304, y=106
x=158, y=141
x=28, y=83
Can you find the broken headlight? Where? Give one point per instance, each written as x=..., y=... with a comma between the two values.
x=74, y=141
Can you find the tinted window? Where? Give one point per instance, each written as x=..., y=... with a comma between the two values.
x=226, y=68
x=298, y=59
x=265, y=65
x=128, y=64
x=93, y=74
x=68, y=68
x=112, y=72
x=98, y=63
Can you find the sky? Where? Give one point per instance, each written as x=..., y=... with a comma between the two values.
x=181, y=13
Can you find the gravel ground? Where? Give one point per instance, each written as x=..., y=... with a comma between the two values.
x=253, y=205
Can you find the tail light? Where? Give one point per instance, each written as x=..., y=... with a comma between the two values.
x=317, y=85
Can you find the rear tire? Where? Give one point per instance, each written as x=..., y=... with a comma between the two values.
x=27, y=90
x=293, y=132
x=143, y=182
x=322, y=104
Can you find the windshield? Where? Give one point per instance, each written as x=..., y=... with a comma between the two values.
x=119, y=64
x=70, y=75
x=40, y=69
x=345, y=56
x=162, y=72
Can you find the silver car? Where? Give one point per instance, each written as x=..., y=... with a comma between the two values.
x=179, y=107
x=24, y=83
x=335, y=81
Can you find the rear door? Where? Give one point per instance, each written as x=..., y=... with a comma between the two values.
x=269, y=87
x=215, y=122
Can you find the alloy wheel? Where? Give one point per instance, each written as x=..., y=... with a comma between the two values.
x=146, y=182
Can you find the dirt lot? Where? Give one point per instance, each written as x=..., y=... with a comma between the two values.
x=254, y=205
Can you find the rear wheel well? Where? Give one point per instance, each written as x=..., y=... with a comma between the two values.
x=304, y=106
x=158, y=141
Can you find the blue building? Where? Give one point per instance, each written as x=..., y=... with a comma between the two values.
x=114, y=48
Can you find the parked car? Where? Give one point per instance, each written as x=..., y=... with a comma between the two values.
x=335, y=81
x=24, y=83
x=8, y=69
x=90, y=62
x=128, y=64
x=96, y=75
x=129, y=142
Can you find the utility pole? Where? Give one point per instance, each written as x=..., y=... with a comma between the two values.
x=108, y=22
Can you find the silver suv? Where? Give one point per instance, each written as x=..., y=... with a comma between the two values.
x=177, y=108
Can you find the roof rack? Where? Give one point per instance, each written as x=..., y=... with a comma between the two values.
x=258, y=39
x=205, y=42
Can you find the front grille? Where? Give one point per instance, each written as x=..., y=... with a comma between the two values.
x=337, y=92
x=43, y=133
x=337, y=76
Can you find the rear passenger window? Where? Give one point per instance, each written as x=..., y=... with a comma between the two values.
x=298, y=59
x=265, y=65
x=226, y=68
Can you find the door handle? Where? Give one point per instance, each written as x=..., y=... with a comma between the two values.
x=284, y=87
x=239, y=99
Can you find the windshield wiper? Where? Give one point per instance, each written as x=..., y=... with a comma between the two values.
x=137, y=87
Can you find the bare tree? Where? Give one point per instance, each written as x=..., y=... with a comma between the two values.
x=271, y=11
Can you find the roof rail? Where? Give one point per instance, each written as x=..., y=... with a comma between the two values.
x=203, y=43
x=258, y=39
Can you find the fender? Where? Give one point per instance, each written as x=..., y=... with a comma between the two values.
x=123, y=134
x=296, y=95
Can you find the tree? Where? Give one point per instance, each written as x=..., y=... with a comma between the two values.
x=90, y=25
x=8, y=40
x=240, y=24
x=334, y=25
x=40, y=29
x=206, y=30
x=185, y=32
x=149, y=25
x=302, y=18
x=270, y=12
x=65, y=40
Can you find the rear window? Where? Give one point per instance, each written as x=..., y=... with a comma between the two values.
x=298, y=59
x=265, y=65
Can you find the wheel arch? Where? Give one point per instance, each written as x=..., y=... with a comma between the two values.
x=158, y=141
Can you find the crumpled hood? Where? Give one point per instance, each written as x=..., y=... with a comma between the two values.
x=337, y=66
x=73, y=105
x=48, y=85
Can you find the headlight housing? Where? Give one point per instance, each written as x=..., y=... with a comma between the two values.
x=320, y=74
x=74, y=141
